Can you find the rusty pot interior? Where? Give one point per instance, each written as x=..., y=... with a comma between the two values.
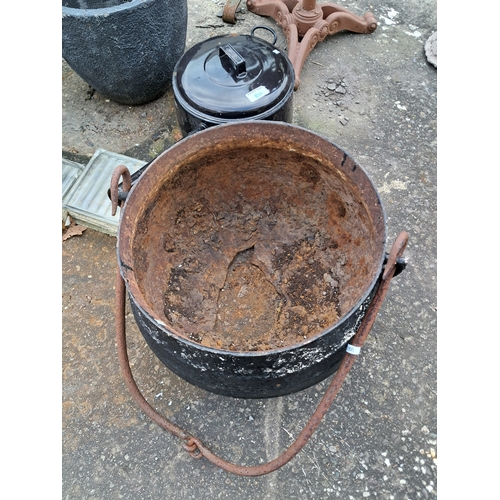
x=251, y=237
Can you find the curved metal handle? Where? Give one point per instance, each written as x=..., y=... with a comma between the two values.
x=116, y=197
x=275, y=36
x=193, y=445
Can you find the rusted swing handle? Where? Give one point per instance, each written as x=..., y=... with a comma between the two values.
x=121, y=171
x=193, y=445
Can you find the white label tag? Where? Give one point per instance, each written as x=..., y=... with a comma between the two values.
x=257, y=93
x=353, y=349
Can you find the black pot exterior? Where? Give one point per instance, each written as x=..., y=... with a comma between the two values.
x=250, y=375
x=127, y=51
x=192, y=121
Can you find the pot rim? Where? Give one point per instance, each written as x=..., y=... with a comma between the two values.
x=204, y=136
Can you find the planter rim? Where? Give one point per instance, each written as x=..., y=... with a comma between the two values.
x=70, y=11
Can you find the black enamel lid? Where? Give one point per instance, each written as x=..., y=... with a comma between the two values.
x=230, y=77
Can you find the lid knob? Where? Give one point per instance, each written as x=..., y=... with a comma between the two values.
x=228, y=54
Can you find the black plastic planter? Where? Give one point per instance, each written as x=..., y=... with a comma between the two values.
x=126, y=50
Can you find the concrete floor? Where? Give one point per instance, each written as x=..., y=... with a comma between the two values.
x=379, y=438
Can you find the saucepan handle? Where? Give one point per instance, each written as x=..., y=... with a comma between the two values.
x=275, y=36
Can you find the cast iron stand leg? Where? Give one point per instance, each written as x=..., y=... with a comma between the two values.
x=193, y=445
x=305, y=24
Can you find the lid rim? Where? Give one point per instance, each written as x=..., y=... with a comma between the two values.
x=203, y=116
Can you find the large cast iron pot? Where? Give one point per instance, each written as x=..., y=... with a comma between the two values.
x=125, y=49
x=251, y=252
x=233, y=78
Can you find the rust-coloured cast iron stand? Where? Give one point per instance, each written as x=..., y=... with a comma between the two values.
x=305, y=24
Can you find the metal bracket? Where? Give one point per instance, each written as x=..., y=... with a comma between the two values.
x=229, y=13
